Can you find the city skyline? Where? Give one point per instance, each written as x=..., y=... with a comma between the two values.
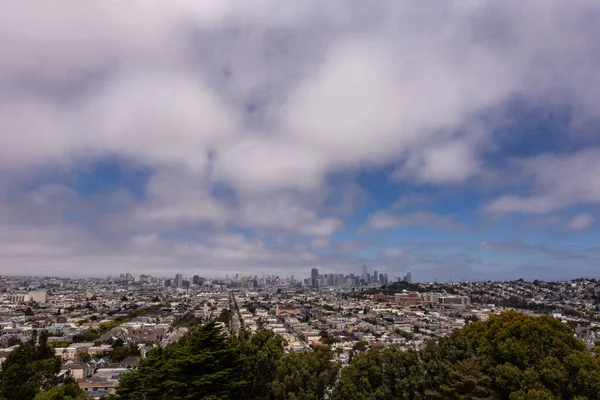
x=454, y=140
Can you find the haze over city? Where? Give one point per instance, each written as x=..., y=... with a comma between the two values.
x=456, y=140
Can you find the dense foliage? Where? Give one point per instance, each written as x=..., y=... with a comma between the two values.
x=68, y=390
x=29, y=369
x=305, y=375
x=510, y=356
x=206, y=364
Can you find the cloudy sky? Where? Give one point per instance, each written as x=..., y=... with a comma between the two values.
x=459, y=140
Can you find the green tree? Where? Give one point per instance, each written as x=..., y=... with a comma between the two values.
x=225, y=316
x=361, y=345
x=306, y=376
x=525, y=353
x=119, y=354
x=384, y=374
x=201, y=365
x=85, y=357
x=68, y=390
x=466, y=381
x=327, y=338
x=261, y=354
x=29, y=369
x=510, y=356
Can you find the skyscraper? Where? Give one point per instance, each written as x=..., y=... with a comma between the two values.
x=364, y=273
x=314, y=275
x=375, y=277
x=178, y=281
x=384, y=279
x=408, y=277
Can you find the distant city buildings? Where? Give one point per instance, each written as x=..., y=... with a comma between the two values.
x=198, y=280
x=318, y=280
x=408, y=278
x=314, y=276
x=294, y=308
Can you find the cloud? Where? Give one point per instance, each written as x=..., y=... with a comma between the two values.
x=554, y=252
x=320, y=243
x=75, y=252
x=447, y=163
x=269, y=165
x=266, y=101
x=390, y=220
x=394, y=252
x=176, y=198
x=581, y=221
x=559, y=181
x=290, y=216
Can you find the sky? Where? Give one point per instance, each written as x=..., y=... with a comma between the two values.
x=458, y=140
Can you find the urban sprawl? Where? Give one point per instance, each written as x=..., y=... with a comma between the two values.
x=100, y=328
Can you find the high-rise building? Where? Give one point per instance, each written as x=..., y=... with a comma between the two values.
x=364, y=273
x=178, y=280
x=408, y=277
x=185, y=284
x=375, y=277
x=195, y=279
x=314, y=275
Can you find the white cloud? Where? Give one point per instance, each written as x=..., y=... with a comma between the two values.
x=287, y=215
x=75, y=252
x=559, y=181
x=451, y=162
x=581, y=221
x=266, y=165
x=270, y=98
x=394, y=252
x=320, y=243
x=390, y=220
x=176, y=199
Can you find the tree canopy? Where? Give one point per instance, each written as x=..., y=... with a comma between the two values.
x=29, y=369
x=510, y=356
x=68, y=390
x=205, y=364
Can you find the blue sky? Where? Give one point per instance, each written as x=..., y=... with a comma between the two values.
x=458, y=140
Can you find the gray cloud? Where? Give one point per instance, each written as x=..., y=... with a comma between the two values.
x=268, y=98
x=559, y=181
x=389, y=219
x=522, y=247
